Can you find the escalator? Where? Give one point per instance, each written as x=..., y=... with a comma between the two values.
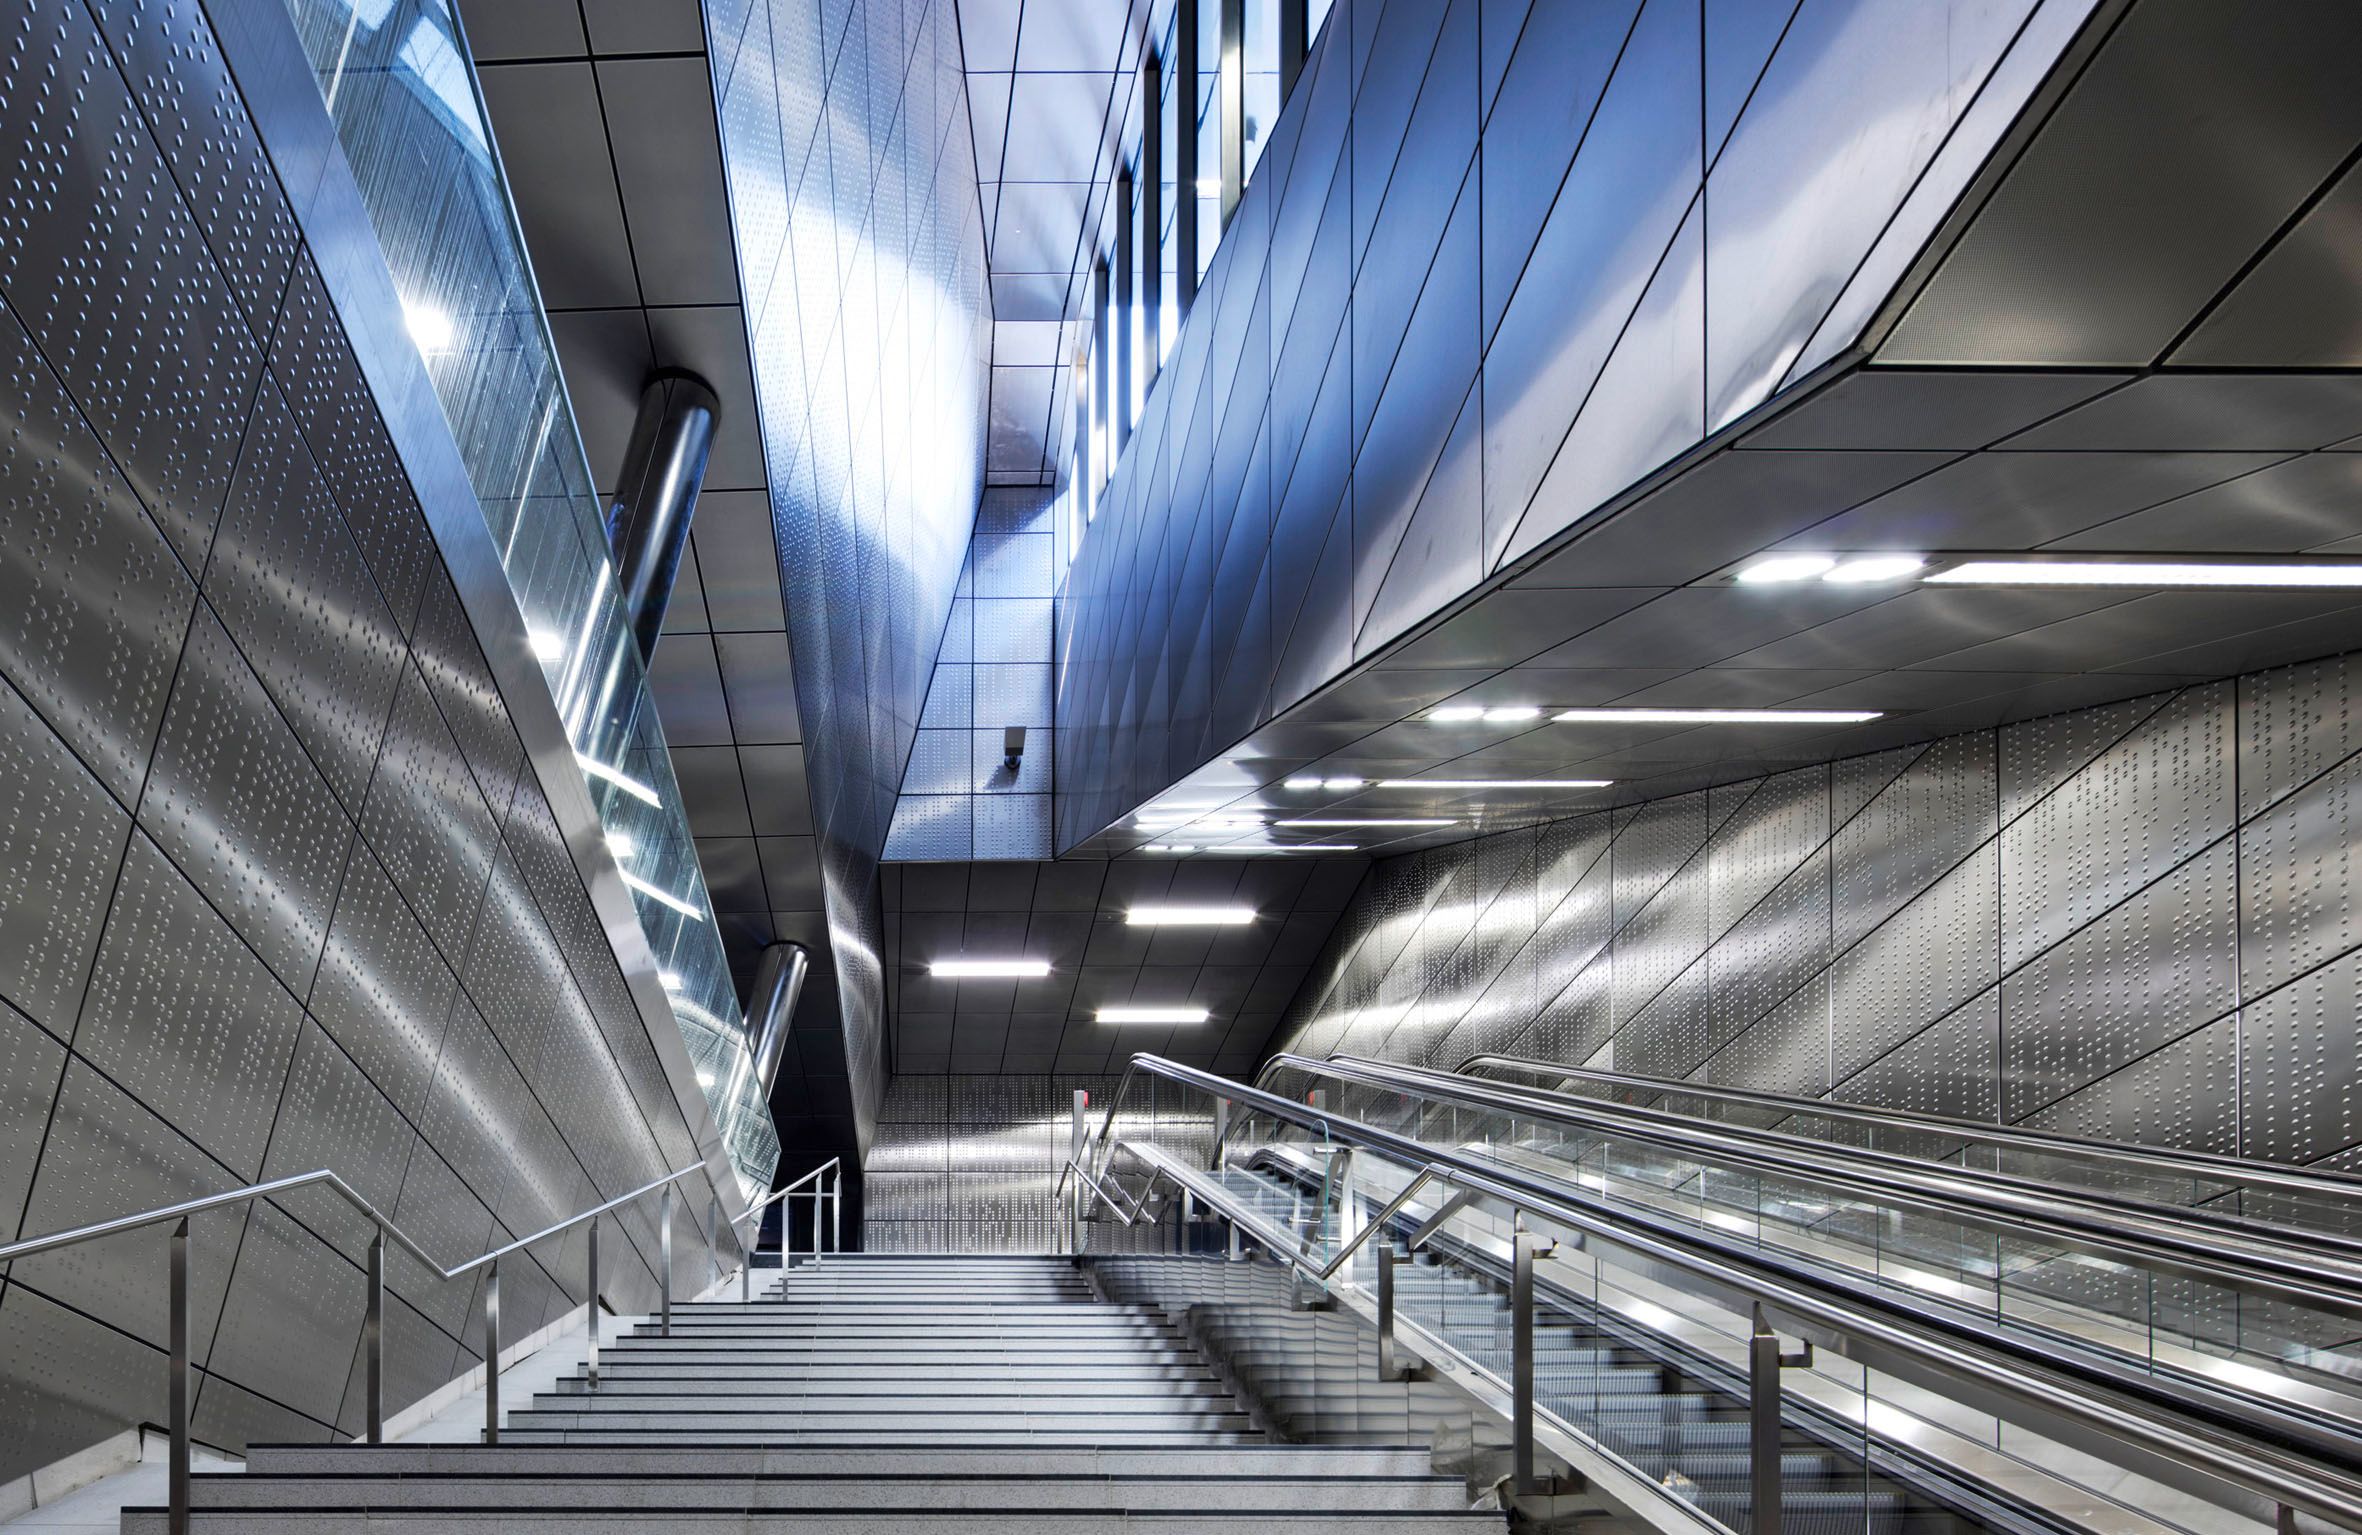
x=1718, y=1333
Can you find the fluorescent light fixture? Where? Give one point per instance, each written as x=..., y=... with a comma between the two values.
x=1782, y=568
x=1717, y=716
x=990, y=969
x=547, y=646
x=1294, y=847
x=1209, y=186
x=1152, y=1015
x=1344, y=783
x=430, y=327
x=1169, y=847
x=620, y=844
x=1498, y=714
x=1301, y=784
x=662, y=897
x=1396, y=821
x=1864, y=569
x=1494, y=783
x=1189, y=916
x=2145, y=573
x=616, y=776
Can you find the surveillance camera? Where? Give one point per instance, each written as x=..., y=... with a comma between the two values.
x=1012, y=747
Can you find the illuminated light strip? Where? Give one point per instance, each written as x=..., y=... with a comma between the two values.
x=2143, y=573
x=1418, y=821
x=664, y=897
x=1716, y=716
x=1153, y=1015
x=990, y=969
x=1189, y=916
x=616, y=776
x=1494, y=783
x=1299, y=847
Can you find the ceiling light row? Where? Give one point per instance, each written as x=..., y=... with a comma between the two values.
x=1443, y=783
x=1860, y=569
x=1669, y=716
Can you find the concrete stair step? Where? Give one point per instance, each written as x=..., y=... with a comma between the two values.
x=766, y=1389
x=616, y=1371
x=905, y=1401
x=931, y=1440
x=702, y=1415
x=916, y=1520
x=414, y=1492
x=1295, y=1461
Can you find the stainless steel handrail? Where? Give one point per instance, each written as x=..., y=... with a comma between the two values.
x=834, y=1194
x=373, y=1319
x=1129, y=1215
x=2204, y=1166
x=1871, y=1329
x=2192, y=1245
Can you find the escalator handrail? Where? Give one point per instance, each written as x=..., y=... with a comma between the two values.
x=1863, y=1324
x=2212, y=1250
x=2206, y=1166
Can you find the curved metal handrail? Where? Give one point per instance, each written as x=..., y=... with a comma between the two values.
x=2192, y=1244
x=1875, y=1330
x=2206, y=1166
x=373, y=1321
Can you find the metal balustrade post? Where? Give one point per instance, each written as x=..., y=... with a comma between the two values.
x=1386, y=1370
x=836, y=1210
x=373, y=1342
x=1764, y=1363
x=176, y=1389
x=664, y=1258
x=590, y=1307
x=492, y=1352
x=1528, y=1247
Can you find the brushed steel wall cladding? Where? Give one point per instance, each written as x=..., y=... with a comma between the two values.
x=61, y=845
x=30, y=1065
x=2137, y=810
x=2299, y=1054
x=108, y=1155
x=67, y=1382
x=426, y=821
x=2136, y=920
x=291, y=587
x=333, y=1116
x=109, y=269
x=1915, y=829
x=2295, y=861
x=453, y=665
x=321, y=381
x=185, y=1016
x=2148, y=971
x=293, y=1303
x=2184, y=1094
x=235, y=804
x=92, y=603
x=383, y=993
x=193, y=109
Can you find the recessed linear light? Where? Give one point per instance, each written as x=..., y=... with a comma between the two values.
x=1494, y=783
x=1153, y=1015
x=1497, y=714
x=1394, y=821
x=661, y=896
x=1189, y=916
x=616, y=776
x=1716, y=716
x=1852, y=570
x=989, y=969
x=2144, y=573
x=1346, y=784
x=1290, y=847
x=1169, y=847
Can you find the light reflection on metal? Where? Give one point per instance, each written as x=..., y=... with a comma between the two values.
x=656, y=495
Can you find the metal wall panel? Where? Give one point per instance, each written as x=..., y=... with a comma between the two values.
x=2135, y=920
x=259, y=976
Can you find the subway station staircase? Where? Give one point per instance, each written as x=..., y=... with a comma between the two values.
x=879, y=1393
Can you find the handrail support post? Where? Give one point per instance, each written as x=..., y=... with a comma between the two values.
x=492, y=1352
x=590, y=1308
x=1529, y=1482
x=1764, y=1363
x=664, y=1258
x=1386, y=1369
x=373, y=1342
x=177, y=1388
